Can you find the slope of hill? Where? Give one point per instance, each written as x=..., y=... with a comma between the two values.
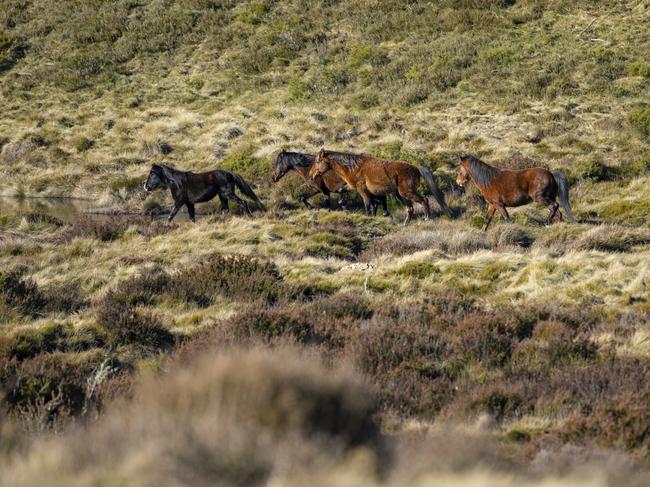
x=92, y=91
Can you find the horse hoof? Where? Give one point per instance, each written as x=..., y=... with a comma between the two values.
x=386, y=213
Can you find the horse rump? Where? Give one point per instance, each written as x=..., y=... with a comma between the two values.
x=563, y=193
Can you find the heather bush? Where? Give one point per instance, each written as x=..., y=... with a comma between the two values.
x=112, y=227
x=126, y=325
x=45, y=386
x=232, y=276
x=270, y=323
x=21, y=295
x=28, y=342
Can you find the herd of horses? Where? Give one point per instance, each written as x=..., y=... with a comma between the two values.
x=331, y=172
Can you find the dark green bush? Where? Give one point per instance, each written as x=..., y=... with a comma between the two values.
x=29, y=342
x=639, y=119
x=82, y=144
x=20, y=293
x=243, y=161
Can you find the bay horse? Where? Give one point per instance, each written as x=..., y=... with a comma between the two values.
x=502, y=188
x=376, y=178
x=326, y=183
x=188, y=188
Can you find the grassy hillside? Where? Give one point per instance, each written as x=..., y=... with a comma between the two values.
x=306, y=344
x=93, y=91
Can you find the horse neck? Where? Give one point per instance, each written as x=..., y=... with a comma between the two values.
x=345, y=172
x=485, y=167
x=302, y=170
x=172, y=176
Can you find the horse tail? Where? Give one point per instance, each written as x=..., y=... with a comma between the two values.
x=247, y=190
x=435, y=191
x=563, y=193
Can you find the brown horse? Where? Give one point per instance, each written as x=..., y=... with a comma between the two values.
x=376, y=178
x=327, y=183
x=502, y=188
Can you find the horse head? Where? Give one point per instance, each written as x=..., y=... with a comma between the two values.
x=464, y=175
x=321, y=165
x=156, y=179
x=280, y=166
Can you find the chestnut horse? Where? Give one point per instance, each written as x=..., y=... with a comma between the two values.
x=502, y=188
x=326, y=183
x=376, y=178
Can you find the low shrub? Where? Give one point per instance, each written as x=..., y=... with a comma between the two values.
x=243, y=161
x=232, y=276
x=112, y=227
x=82, y=144
x=409, y=364
x=272, y=323
x=23, y=296
x=45, y=387
x=20, y=293
x=28, y=342
x=126, y=325
x=639, y=119
x=142, y=288
x=621, y=422
x=485, y=339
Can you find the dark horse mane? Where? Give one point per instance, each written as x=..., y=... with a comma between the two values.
x=293, y=159
x=481, y=171
x=346, y=159
x=171, y=176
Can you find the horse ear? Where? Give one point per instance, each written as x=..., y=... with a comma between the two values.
x=321, y=152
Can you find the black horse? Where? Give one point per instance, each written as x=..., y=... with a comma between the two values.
x=189, y=188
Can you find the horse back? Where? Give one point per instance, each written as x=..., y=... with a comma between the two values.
x=518, y=187
x=388, y=167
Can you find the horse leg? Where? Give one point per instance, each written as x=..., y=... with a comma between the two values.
x=190, y=212
x=553, y=210
x=367, y=202
x=328, y=200
x=305, y=196
x=373, y=207
x=224, y=204
x=488, y=217
x=413, y=196
x=409, y=211
x=504, y=214
x=384, y=203
x=172, y=214
x=424, y=201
